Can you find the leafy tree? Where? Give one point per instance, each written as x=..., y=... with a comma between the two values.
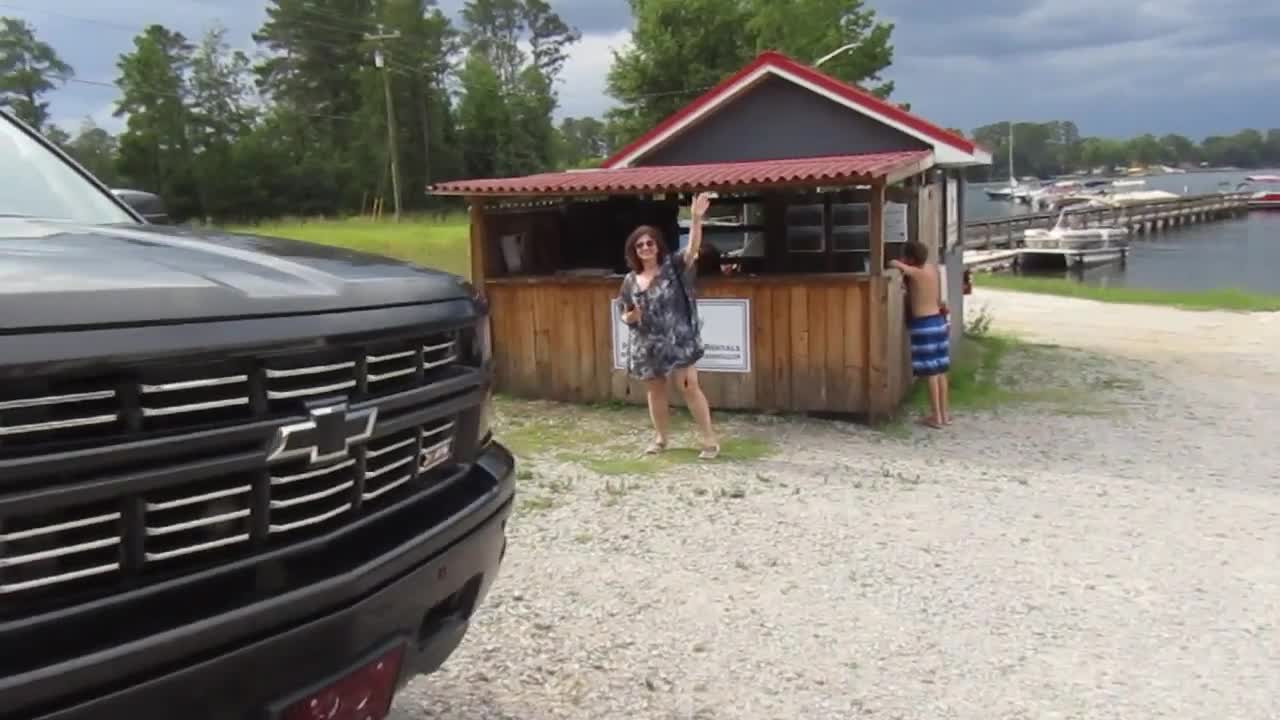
x=509, y=97
x=682, y=47
x=1176, y=148
x=422, y=67
x=29, y=69
x=57, y=135
x=582, y=142
x=484, y=122
x=809, y=29
x=318, y=70
x=533, y=134
x=221, y=112
x=96, y=150
x=155, y=148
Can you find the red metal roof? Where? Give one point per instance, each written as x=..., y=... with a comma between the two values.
x=729, y=87
x=667, y=178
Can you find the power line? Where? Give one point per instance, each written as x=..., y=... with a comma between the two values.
x=177, y=96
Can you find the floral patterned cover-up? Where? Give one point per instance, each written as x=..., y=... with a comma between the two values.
x=664, y=339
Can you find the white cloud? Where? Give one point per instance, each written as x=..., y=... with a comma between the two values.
x=582, y=82
x=1185, y=66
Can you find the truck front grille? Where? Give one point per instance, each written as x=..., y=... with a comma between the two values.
x=184, y=522
x=45, y=415
x=187, y=442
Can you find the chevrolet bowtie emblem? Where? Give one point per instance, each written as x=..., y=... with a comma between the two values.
x=327, y=435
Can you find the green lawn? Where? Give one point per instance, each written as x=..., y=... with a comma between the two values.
x=1223, y=299
x=427, y=241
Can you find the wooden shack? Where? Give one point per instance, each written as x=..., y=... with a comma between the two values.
x=819, y=184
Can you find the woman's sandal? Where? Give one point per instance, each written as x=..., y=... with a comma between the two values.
x=655, y=447
x=710, y=452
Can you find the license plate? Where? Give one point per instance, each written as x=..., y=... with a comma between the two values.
x=362, y=694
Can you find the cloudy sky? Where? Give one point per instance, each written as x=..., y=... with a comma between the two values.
x=1195, y=67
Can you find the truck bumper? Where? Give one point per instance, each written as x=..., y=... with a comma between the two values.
x=425, y=611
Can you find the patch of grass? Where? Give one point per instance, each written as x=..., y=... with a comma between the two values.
x=974, y=379
x=1224, y=299
x=609, y=439
x=991, y=370
x=431, y=242
x=536, y=503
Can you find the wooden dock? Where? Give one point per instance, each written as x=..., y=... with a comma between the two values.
x=1138, y=218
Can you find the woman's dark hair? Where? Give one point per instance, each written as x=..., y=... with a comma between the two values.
x=633, y=257
x=915, y=253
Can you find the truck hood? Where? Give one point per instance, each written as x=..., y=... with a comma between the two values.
x=61, y=275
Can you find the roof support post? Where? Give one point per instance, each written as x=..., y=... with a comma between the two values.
x=875, y=229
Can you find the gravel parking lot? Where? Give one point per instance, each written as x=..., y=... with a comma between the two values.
x=1114, y=554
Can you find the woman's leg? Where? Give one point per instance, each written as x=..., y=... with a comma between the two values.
x=687, y=380
x=655, y=392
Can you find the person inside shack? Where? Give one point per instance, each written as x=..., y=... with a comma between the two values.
x=659, y=306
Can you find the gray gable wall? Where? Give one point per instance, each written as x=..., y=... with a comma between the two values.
x=778, y=119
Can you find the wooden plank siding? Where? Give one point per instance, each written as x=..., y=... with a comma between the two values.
x=811, y=347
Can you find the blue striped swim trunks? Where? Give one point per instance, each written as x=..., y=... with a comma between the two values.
x=930, y=346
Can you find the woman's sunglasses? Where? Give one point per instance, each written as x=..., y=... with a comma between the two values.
x=642, y=244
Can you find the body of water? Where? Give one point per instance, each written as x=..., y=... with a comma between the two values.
x=1241, y=253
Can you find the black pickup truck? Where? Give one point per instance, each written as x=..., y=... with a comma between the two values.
x=240, y=477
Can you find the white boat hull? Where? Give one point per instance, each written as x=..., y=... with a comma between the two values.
x=1069, y=259
x=1265, y=201
x=1073, y=238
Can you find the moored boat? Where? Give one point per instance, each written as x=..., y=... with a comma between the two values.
x=1072, y=248
x=1268, y=198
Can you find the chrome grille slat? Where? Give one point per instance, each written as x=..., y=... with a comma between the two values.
x=314, y=520
x=322, y=494
x=374, y=454
x=379, y=377
x=443, y=428
x=374, y=359
x=57, y=579
x=9, y=430
x=440, y=346
x=438, y=363
x=375, y=474
x=183, y=502
x=194, y=407
x=194, y=384
x=57, y=399
x=15, y=560
x=192, y=524
x=193, y=549
x=60, y=527
x=286, y=479
x=374, y=494
x=305, y=392
x=313, y=370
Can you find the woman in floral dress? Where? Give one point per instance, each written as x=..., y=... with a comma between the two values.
x=663, y=314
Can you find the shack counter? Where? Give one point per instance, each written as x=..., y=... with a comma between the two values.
x=799, y=310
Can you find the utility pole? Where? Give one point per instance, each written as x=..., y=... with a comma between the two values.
x=380, y=61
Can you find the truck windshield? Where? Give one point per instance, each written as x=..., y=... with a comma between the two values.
x=35, y=182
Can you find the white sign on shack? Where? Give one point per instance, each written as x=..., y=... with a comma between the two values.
x=726, y=335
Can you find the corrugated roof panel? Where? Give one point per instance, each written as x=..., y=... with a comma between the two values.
x=690, y=177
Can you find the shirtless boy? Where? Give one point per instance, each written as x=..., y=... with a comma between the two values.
x=930, y=346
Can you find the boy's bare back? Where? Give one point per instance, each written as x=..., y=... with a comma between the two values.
x=922, y=283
